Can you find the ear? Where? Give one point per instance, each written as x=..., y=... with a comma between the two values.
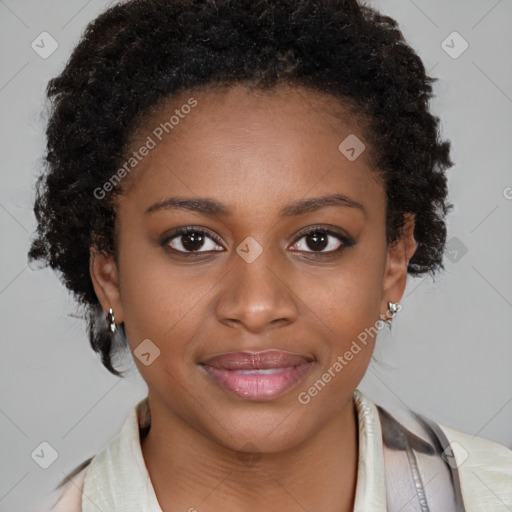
x=105, y=279
x=398, y=256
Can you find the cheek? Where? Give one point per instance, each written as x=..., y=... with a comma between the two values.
x=347, y=302
x=348, y=297
x=159, y=299
x=161, y=309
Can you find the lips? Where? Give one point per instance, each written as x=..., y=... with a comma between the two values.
x=257, y=375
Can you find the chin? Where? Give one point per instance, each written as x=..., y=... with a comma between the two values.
x=263, y=431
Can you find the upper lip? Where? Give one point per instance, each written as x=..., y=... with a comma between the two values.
x=257, y=360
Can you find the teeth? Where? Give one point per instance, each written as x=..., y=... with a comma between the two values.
x=261, y=371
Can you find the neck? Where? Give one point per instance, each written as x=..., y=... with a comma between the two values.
x=190, y=471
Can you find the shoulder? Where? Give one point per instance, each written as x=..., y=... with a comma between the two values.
x=480, y=468
x=70, y=499
x=485, y=470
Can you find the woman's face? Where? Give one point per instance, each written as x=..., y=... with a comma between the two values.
x=247, y=329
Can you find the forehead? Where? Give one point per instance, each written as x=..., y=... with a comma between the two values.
x=240, y=108
x=239, y=143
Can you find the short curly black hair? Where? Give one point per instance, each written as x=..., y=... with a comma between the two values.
x=138, y=53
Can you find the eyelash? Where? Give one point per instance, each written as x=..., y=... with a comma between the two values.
x=345, y=241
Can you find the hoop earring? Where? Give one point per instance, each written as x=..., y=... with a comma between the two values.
x=111, y=320
x=393, y=309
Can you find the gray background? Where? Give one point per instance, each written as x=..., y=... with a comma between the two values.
x=449, y=354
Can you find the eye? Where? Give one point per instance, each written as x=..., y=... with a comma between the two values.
x=321, y=240
x=192, y=240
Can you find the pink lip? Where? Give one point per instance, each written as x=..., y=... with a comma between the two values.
x=257, y=375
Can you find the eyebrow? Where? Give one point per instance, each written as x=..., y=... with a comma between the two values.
x=214, y=207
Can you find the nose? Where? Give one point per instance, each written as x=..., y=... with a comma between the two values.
x=257, y=295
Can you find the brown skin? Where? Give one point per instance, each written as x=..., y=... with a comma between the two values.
x=254, y=152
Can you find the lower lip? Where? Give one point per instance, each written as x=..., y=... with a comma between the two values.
x=258, y=384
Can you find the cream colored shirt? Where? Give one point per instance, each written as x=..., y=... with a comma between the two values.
x=117, y=478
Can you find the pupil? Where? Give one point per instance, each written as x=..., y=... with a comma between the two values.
x=196, y=239
x=319, y=240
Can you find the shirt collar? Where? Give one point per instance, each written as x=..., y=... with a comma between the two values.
x=370, y=487
x=117, y=477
